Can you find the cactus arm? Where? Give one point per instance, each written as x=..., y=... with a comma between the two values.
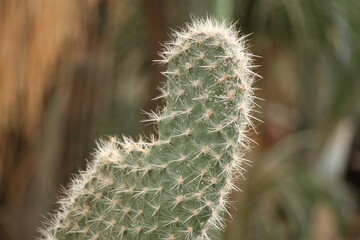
x=175, y=186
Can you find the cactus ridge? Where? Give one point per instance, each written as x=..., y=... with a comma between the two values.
x=176, y=185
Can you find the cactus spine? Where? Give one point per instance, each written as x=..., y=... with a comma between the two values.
x=175, y=186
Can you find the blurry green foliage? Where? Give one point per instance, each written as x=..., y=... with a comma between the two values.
x=324, y=37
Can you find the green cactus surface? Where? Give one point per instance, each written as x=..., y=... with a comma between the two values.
x=176, y=185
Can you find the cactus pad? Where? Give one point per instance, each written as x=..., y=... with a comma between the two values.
x=174, y=186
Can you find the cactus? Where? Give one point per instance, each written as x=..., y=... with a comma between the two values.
x=176, y=185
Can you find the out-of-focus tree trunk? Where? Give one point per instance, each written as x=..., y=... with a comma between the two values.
x=154, y=15
x=48, y=66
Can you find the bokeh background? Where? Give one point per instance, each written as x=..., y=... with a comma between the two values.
x=72, y=72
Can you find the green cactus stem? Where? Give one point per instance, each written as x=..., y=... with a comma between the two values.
x=175, y=186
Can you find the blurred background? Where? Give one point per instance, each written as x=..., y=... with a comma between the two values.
x=72, y=72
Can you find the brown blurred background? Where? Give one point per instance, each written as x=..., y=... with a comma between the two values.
x=72, y=72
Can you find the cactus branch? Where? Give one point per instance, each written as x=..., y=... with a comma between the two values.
x=175, y=186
